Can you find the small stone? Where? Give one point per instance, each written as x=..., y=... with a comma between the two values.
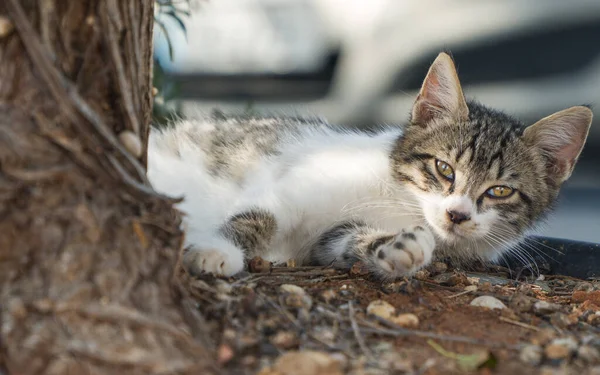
x=584, y=286
x=229, y=334
x=381, y=309
x=328, y=295
x=44, y=305
x=296, y=297
x=531, y=354
x=543, y=336
x=443, y=278
x=458, y=279
x=471, y=288
x=556, y=351
x=223, y=286
x=438, y=267
x=421, y=275
x=486, y=287
x=405, y=287
x=284, y=340
x=17, y=308
x=259, y=265
x=359, y=269
x=224, y=354
x=131, y=142
x=291, y=288
x=589, y=354
x=544, y=307
x=594, y=319
x=6, y=26
x=307, y=362
x=406, y=320
x=560, y=348
x=561, y=320
x=489, y=302
x=521, y=303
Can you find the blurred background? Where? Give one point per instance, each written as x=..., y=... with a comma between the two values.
x=361, y=62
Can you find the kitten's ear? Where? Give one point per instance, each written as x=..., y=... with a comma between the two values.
x=561, y=137
x=441, y=95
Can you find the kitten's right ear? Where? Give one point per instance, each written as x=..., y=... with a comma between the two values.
x=441, y=95
x=560, y=137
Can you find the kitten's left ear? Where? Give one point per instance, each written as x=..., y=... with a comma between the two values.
x=441, y=95
x=561, y=137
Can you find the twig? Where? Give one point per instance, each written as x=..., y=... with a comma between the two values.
x=520, y=324
x=359, y=339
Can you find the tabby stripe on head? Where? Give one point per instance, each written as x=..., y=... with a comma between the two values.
x=430, y=177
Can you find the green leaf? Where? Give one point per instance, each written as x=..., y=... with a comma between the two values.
x=179, y=21
x=467, y=362
x=164, y=30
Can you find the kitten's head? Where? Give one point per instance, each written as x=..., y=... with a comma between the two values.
x=480, y=176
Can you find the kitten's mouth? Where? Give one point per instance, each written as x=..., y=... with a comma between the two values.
x=451, y=233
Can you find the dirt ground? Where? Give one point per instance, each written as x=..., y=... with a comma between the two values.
x=306, y=320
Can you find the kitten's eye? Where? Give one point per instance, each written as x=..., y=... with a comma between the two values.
x=445, y=170
x=499, y=192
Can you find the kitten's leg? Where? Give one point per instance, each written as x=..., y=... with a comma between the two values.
x=388, y=255
x=243, y=235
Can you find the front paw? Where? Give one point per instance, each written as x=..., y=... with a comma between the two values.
x=216, y=261
x=404, y=253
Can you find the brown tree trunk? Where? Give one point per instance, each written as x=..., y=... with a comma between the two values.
x=87, y=249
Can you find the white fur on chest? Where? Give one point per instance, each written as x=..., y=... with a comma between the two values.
x=324, y=179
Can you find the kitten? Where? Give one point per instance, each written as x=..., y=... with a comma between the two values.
x=460, y=178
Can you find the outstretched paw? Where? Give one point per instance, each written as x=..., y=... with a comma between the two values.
x=404, y=253
x=197, y=261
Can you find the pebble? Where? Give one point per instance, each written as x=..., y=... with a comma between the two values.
x=284, y=340
x=471, y=288
x=421, y=275
x=381, y=309
x=259, y=265
x=296, y=296
x=359, y=269
x=544, y=307
x=560, y=348
x=6, y=26
x=561, y=320
x=438, y=267
x=304, y=363
x=531, y=354
x=521, y=303
x=223, y=286
x=544, y=336
x=406, y=320
x=589, y=354
x=328, y=295
x=224, y=354
x=585, y=286
x=489, y=302
x=132, y=142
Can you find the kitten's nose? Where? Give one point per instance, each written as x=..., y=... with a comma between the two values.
x=457, y=217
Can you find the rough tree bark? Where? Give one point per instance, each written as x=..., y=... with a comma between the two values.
x=87, y=249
